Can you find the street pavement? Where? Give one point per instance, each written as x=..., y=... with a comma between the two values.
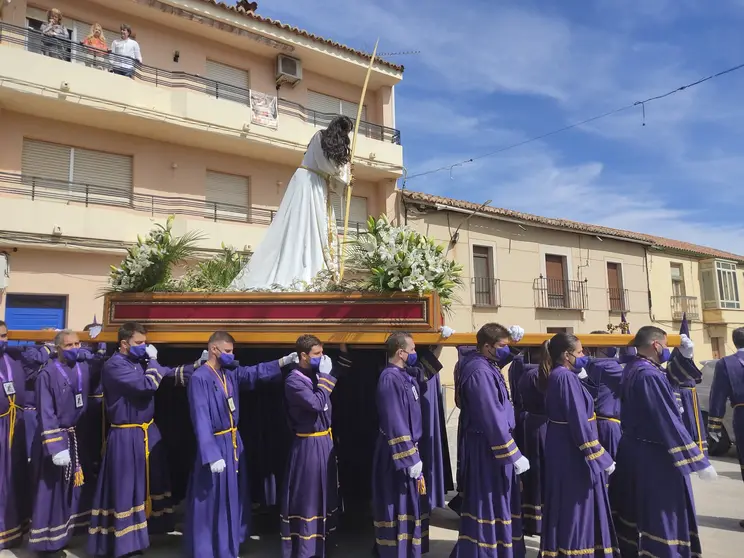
x=720, y=506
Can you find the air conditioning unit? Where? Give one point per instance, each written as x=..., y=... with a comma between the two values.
x=288, y=70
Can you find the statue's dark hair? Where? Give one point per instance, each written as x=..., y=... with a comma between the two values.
x=335, y=141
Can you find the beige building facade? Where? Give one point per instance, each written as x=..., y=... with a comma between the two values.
x=210, y=129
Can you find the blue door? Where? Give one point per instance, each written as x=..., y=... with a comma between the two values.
x=34, y=312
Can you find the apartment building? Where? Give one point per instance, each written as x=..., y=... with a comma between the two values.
x=210, y=128
x=703, y=283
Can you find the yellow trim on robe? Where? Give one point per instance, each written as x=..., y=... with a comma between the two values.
x=399, y=440
x=596, y=455
x=327, y=382
x=487, y=521
x=582, y=447
x=506, y=445
x=404, y=454
x=580, y=552
x=52, y=440
x=145, y=428
x=325, y=387
x=482, y=544
x=505, y=455
x=682, y=448
x=698, y=457
x=609, y=419
x=321, y=434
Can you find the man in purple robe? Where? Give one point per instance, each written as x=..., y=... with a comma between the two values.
x=601, y=378
x=400, y=508
x=133, y=497
x=309, y=503
x=59, y=509
x=684, y=375
x=218, y=506
x=650, y=492
x=531, y=442
x=491, y=509
x=13, y=463
x=728, y=386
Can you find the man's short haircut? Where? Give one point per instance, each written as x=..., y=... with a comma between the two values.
x=490, y=334
x=647, y=335
x=305, y=344
x=221, y=335
x=738, y=338
x=396, y=342
x=2, y=323
x=128, y=329
x=60, y=337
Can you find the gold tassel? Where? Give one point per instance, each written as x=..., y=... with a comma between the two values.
x=148, y=508
x=79, y=477
x=421, y=485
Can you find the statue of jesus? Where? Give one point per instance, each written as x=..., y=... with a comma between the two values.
x=302, y=239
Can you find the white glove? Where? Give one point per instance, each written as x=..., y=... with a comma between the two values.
x=522, y=465
x=326, y=365
x=610, y=469
x=686, y=346
x=288, y=359
x=62, y=459
x=95, y=331
x=708, y=474
x=152, y=352
x=516, y=333
x=716, y=436
x=446, y=331
x=583, y=375
x=204, y=356
x=218, y=466
x=415, y=471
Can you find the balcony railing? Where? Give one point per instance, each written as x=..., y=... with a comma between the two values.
x=560, y=294
x=71, y=51
x=37, y=188
x=682, y=305
x=485, y=292
x=618, y=299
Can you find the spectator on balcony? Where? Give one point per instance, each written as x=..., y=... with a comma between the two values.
x=52, y=32
x=97, y=46
x=127, y=52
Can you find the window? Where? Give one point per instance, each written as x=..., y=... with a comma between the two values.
x=484, y=292
x=75, y=174
x=358, y=213
x=332, y=106
x=555, y=271
x=678, y=280
x=554, y=330
x=226, y=82
x=615, y=287
x=720, y=285
x=227, y=197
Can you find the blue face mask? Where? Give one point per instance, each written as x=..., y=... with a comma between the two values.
x=3, y=345
x=611, y=352
x=226, y=359
x=665, y=355
x=580, y=363
x=71, y=355
x=315, y=362
x=138, y=352
x=501, y=353
x=412, y=359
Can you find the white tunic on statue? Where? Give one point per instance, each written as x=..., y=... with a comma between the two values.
x=296, y=246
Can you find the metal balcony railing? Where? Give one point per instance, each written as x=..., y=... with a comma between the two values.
x=682, y=305
x=70, y=51
x=618, y=299
x=560, y=294
x=37, y=188
x=485, y=292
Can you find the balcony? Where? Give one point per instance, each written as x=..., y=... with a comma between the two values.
x=682, y=305
x=485, y=292
x=76, y=84
x=618, y=300
x=560, y=294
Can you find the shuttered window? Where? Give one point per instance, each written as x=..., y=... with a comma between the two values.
x=358, y=213
x=227, y=196
x=331, y=105
x=227, y=82
x=76, y=174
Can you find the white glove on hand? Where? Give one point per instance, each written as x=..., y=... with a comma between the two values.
x=708, y=474
x=288, y=359
x=218, y=466
x=152, y=352
x=715, y=435
x=415, y=471
x=516, y=333
x=583, y=375
x=446, y=331
x=686, y=346
x=610, y=469
x=522, y=465
x=62, y=459
x=95, y=331
x=204, y=356
x=326, y=365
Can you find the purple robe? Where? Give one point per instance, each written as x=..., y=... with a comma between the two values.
x=651, y=494
x=534, y=427
x=14, y=508
x=577, y=519
x=490, y=519
x=309, y=504
x=728, y=386
x=684, y=375
x=92, y=425
x=604, y=376
x=133, y=497
x=401, y=515
x=61, y=496
x=218, y=505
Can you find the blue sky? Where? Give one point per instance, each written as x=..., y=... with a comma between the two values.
x=496, y=72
